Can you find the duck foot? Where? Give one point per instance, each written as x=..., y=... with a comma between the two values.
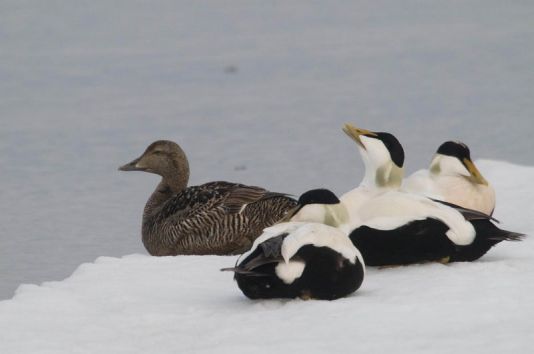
x=305, y=295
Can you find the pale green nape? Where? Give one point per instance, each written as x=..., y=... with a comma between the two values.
x=336, y=215
x=389, y=175
x=435, y=166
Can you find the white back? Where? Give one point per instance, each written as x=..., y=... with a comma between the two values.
x=270, y=232
x=299, y=235
x=394, y=209
x=420, y=182
x=320, y=235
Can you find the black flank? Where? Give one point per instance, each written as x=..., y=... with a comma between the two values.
x=416, y=242
x=327, y=276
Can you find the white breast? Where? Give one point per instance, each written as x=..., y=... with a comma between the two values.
x=320, y=235
x=461, y=191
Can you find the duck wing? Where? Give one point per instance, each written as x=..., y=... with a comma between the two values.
x=469, y=214
x=231, y=197
x=240, y=196
x=267, y=252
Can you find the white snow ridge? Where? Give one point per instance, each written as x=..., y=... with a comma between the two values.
x=142, y=304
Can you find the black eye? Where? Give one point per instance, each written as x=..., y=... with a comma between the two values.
x=157, y=152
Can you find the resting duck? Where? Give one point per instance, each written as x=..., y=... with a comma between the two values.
x=392, y=227
x=399, y=228
x=214, y=218
x=453, y=177
x=308, y=260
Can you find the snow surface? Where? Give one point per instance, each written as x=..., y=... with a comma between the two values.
x=142, y=304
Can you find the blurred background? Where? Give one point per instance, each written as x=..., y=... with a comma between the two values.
x=254, y=91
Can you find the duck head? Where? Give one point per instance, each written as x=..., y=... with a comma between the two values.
x=319, y=205
x=164, y=158
x=382, y=154
x=453, y=158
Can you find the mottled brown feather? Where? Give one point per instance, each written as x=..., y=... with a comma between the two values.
x=213, y=218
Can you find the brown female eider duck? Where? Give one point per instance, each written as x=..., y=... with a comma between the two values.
x=214, y=218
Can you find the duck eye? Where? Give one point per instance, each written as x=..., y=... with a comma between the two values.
x=157, y=152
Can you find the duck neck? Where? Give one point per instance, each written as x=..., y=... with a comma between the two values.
x=172, y=183
x=386, y=176
x=162, y=193
x=336, y=215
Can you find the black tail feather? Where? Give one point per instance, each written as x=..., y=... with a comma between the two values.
x=487, y=236
x=243, y=271
x=507, y=236
x=469, y=214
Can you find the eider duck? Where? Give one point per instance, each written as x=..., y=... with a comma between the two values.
x=320, y=206
x=307, y=260
x=393, y=227
x=453, y=177
x=383, y=158
x=398, y=228
x=214, y=218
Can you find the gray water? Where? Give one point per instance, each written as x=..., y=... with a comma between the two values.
x=254, y=91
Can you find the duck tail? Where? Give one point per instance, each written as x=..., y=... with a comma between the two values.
x=505, y=235
x=487, y=236
x=238, y=270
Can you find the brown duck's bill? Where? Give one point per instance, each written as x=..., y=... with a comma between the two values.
x=131, y=166
x=355, y=133
x=475, y=173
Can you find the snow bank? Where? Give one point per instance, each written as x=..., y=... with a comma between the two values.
x=142, y=304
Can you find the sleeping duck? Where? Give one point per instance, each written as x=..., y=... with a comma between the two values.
x=307, y=259
x=453, y=177
x=214, y=218
x=397, y=228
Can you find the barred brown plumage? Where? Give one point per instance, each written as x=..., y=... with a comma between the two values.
x=213, y=218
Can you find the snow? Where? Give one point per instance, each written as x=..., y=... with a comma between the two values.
x=140, y=304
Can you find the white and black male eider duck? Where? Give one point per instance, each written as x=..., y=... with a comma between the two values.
x=301, y=259
x=453, y=177
x=398, y=228
x=383, y=158
x=213, y=218
x=392, y=227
